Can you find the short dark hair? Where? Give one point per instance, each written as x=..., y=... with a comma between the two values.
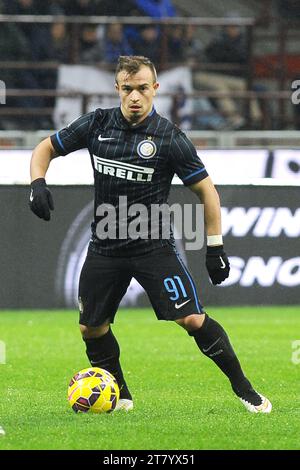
x=133, y=63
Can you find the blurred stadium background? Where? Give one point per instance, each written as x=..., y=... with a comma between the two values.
x=228, y=75
x=230, y=78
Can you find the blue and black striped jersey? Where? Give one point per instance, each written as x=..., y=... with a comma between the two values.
x=133, y=161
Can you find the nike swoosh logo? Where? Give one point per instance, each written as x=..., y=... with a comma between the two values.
x=212, y=345
x=94, y=362
x=183, y=303
x=31, y=196
x=105, y=138
x=223, y=265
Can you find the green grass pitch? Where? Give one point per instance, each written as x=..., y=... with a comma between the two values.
x=182, y=401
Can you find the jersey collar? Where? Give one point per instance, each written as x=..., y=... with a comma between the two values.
x=126, y=125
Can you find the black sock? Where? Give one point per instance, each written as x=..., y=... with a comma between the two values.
x=104, y=352
x=213, y=341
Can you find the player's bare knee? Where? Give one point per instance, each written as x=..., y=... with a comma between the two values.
x=191, y=322
x=89, y=332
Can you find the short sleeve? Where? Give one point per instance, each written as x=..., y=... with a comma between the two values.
x=72, y=137
x=185, y=160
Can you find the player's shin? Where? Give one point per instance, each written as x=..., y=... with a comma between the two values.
x=104, y=352
x=213, y=341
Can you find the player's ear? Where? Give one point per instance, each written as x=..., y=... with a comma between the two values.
x=155, y=86
x=116, y=87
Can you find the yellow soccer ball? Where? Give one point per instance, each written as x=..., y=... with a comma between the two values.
x=93, y=389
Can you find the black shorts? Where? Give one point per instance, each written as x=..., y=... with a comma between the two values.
x=162, y=273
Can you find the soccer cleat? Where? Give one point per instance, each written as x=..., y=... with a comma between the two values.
x=2, y=432
x=124, y=404
x=264, y=407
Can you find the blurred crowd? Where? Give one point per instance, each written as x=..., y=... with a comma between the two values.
x=103, y=44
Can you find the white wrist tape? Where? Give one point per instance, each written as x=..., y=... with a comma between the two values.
x=214, y=240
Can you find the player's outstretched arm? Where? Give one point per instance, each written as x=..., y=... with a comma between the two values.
x=217, y=262
x=40, y=200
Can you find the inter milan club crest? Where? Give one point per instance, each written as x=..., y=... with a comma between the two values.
x=146, y=149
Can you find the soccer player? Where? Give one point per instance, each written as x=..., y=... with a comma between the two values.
x=135, y=153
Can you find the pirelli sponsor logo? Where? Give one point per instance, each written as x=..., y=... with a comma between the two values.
x=123, y=170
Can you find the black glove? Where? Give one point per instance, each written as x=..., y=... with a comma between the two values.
x=40, y=201
x=217, y=264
